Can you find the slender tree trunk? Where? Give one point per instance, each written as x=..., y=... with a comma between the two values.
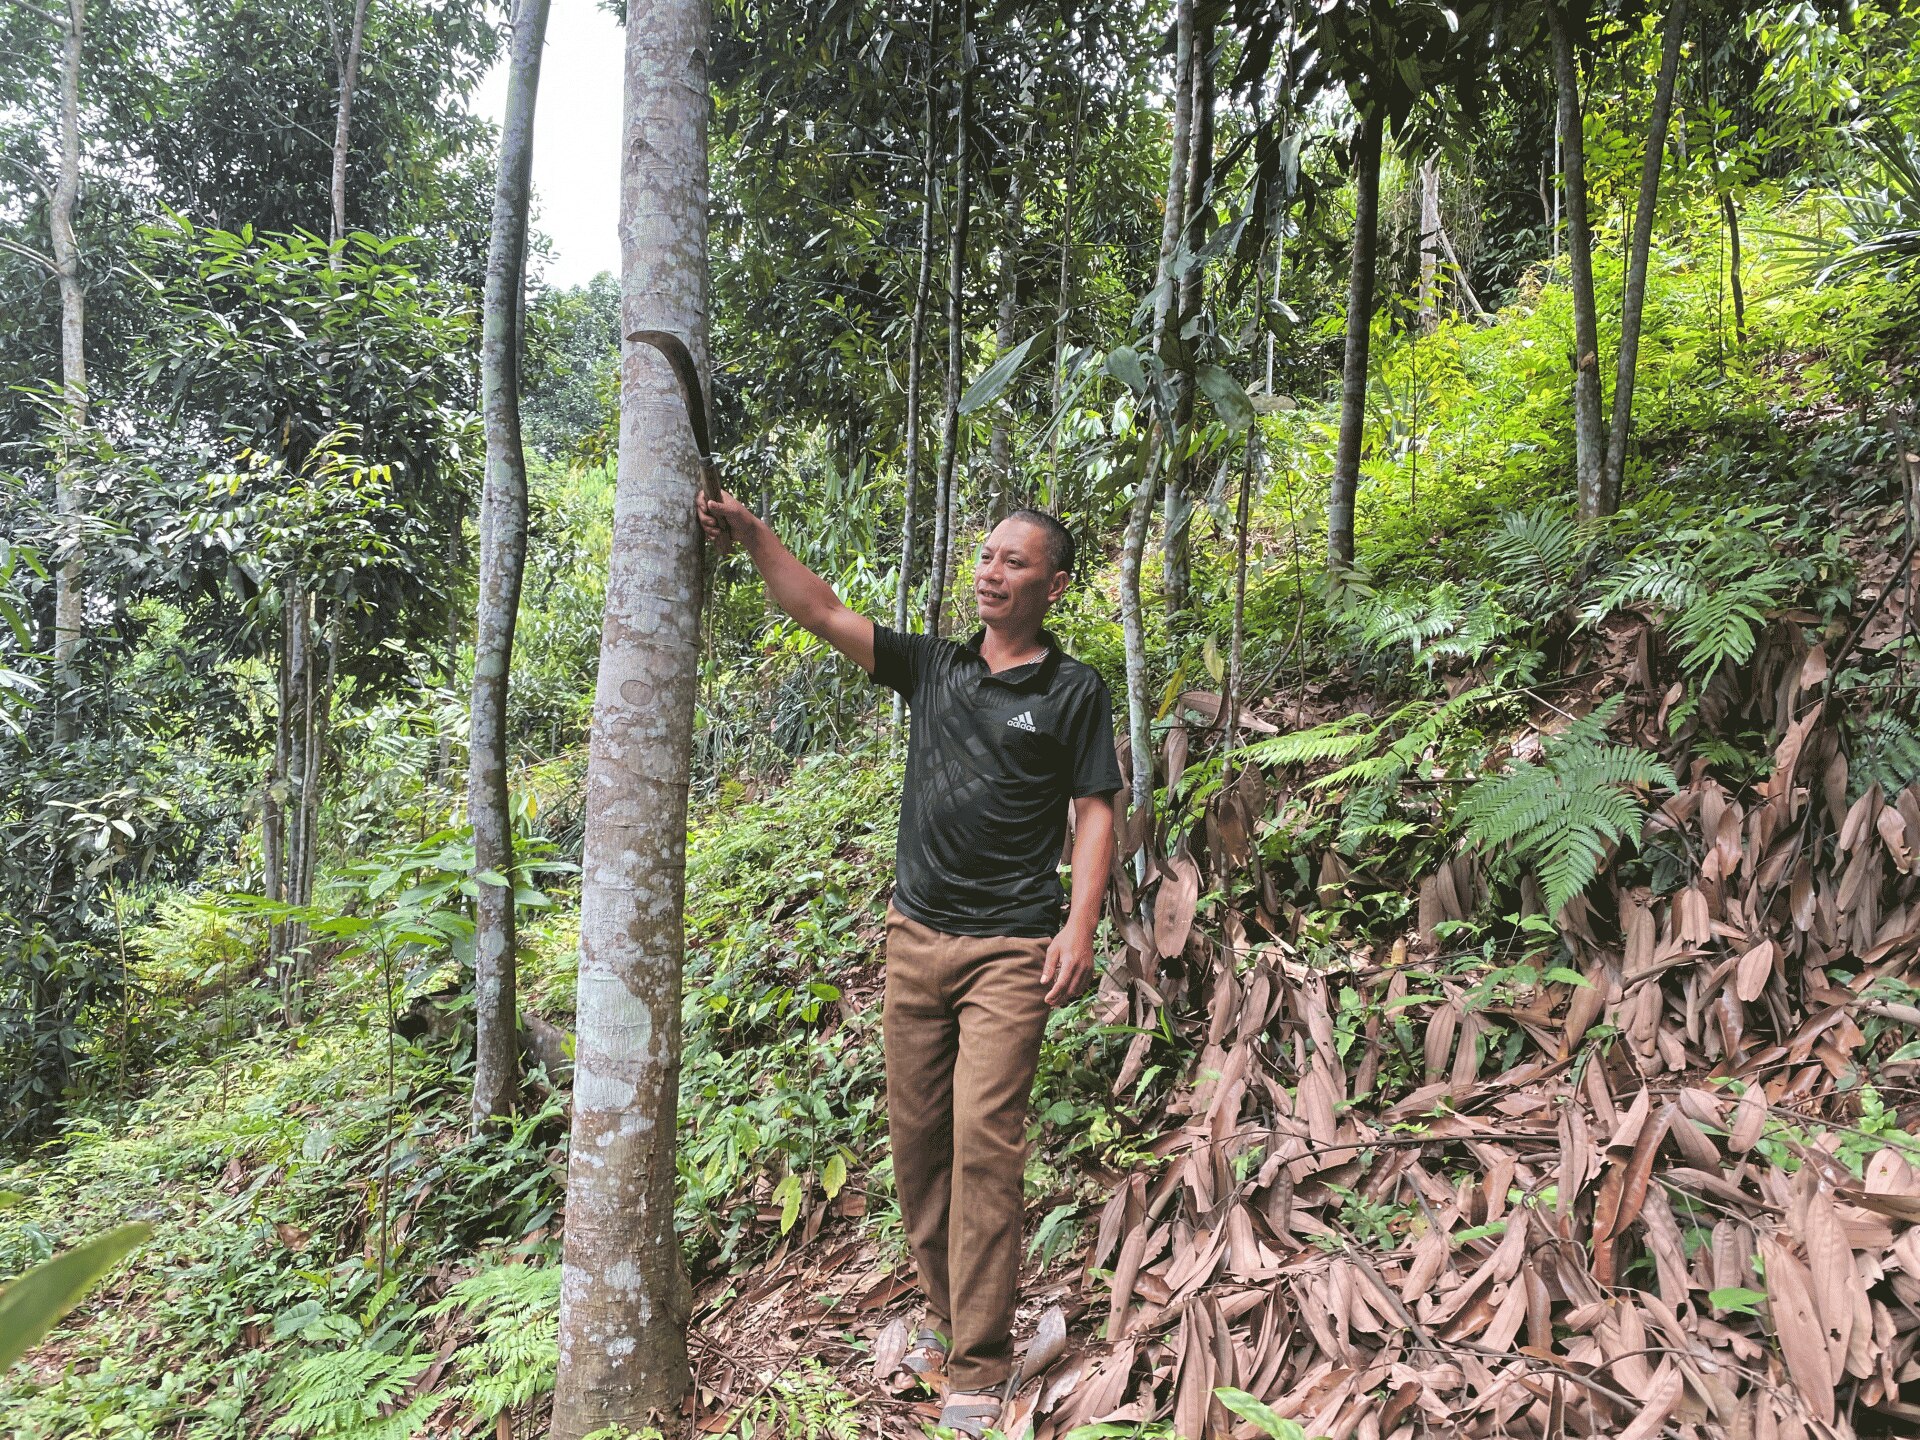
x=943, y=497
x=916, y=339
x=1230, y=714
x=1063, y=304
x=68, y=617
x=623, y=1297
x=1000, y=440
x=1429, y=244
x=1174, y=212
x=293, y=719
x=1353, y=380
x=1133, y=549
x=1133, y=545
x=503, y=558
x=349, y=63
x=1731, y=211
x=1634, y=297
x=1176, y=521
x=1589, y=421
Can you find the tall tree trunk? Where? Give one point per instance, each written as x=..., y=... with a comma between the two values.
x=941, y=566
x=1133, y=545
x=1236, y=680
x=67, y=611
x=1353, y=379
x=1173, y=212
x=1731, y=211
x=1063, y=303
x=1430, y=244
x=623, y=1297
x=1634, y=297
x=1000, y=440
x=293, y=720
x=348, y=61
x=1177, y=519
x=916, y=338
x=1589, y=423
x=503, y=558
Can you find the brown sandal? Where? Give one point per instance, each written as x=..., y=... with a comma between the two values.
x=972, y=1415
x=927, y=1355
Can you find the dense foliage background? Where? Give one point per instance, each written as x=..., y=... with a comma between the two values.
x=280, y=441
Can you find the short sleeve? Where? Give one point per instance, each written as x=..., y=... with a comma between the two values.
x=900, y=659
x=1095, y=766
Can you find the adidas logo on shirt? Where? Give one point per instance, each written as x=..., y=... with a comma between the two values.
x=1022, y=721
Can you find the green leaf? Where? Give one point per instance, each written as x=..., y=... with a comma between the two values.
x=1235, y=409
x=491, y=877
x=1737, y=1299
x=999, y=375
x=30, y=1305
x=1248, y=1408
x=11, y=1198
x=835, y=1175
x=1123, y=364
x=789, y=1194
x=1561, y=975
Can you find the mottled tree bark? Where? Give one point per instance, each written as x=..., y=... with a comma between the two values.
x=1063, y=303
x=1133, y=545
x=1177, y=519
x=1174, y=210
x=916, y=337
x=623, y=1297
x=941, y=564
x=1633, y=299
x=1589, y=423
x=503, y=557
x=348, y=61
x=67, y=610
x=1000, y=498
x=1430, y=244
x=1353, y=379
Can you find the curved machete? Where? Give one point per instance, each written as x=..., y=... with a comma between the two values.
x=693, y=394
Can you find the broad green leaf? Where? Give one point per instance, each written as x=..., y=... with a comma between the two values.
x=789, y=1194
x=1123, y=364
x=32, y=1304
x=1229, y=399
x=835, y=1176
x=999, y=375
x=11, y=1198
x=1737, y=1299
x=1248, y=1408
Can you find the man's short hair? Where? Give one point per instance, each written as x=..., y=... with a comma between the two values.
x=1060, y=547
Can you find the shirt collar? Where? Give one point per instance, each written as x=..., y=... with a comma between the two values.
x=1032, y=675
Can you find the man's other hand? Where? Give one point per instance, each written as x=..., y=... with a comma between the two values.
x=1069, y=966
x=724, y=521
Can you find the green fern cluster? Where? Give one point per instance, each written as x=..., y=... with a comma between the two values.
x=1715, y=586
x=517, y=1308
x=808, y=1404
x=1562, y=815
x=1885, y=752
x=355, y=1395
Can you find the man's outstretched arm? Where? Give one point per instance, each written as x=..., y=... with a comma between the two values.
x=795, y=589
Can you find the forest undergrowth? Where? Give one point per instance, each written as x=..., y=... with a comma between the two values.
x=1511, y=1030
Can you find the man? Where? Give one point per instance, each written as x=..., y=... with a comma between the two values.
x=1007, y=733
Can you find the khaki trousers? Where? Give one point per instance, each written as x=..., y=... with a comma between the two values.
x=963, y=1020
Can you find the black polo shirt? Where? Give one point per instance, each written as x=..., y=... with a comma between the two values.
x=992, y=761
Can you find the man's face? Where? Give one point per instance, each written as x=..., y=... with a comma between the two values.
x=1014, y=582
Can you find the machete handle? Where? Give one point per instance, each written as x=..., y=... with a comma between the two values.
x=693, y=395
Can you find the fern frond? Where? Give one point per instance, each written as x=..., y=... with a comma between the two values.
x=1564, y=814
